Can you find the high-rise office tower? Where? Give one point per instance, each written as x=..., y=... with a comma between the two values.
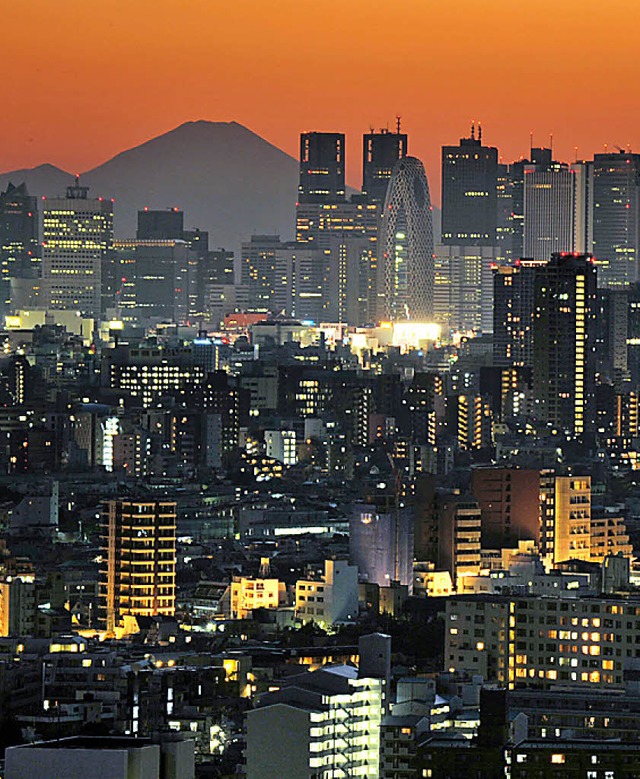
x=77, y=236
x=153, y=279
x=19, y=248
x=612, y=337
x=405, y=259
x=616, y=215
x=515, y=246
x=160, y=224
x=258, y=270
x=556, y=216
x=564, y=342
x=345, y=231
x=138, y=577
x=380, y=153
x=469, y=192
x=513, y=313
x=463, y=294
x=633, y=334
x=321, y=167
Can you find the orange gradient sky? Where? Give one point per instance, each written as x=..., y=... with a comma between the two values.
x=83, y=80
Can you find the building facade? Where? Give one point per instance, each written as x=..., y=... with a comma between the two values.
x=138, y=574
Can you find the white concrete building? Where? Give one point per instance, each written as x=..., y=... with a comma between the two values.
x=321, y=725
x=85, y=757
x=331, y=598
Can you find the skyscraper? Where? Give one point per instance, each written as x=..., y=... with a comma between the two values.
x=469, y=192
x=616, y=215
x=405, y=260
x=321, y=167
x=77, y=233
x=380, y=153
x=19, y=248
x=344, y=231
x=155, y=276
x=138, y=577
x=564, y=342
x=463, y=296
x=556, y=214
x=160, y=224
x=513, y=313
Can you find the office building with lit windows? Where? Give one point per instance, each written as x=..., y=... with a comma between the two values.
x=77, y=241
x=405, y=258
x=616, y=217
x=153, y=279
x=463, y=292
x=138, y=573
x=148, y=372
x=380, y=153
x=19, y=249
x=321, y=167
x=469, y=192
x=564, y=341
x=557, y=216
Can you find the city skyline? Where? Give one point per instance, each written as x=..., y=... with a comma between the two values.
x=158, y=76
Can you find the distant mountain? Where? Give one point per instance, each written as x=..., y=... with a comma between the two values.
x=225, y=178
x=45, y=180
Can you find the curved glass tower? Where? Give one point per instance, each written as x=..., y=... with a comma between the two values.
x=406, y=267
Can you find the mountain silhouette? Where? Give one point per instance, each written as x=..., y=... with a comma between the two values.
x=225, y=178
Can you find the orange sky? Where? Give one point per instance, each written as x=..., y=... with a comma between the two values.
x=83, y=79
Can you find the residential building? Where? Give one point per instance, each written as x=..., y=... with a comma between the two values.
x=543, y=641
x=328, y=724
x=514, y=313
x=381, y=541
x=138, y=574
x=509, y=500
x=564, y=367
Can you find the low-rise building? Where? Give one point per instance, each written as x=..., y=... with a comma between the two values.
x=330, y=598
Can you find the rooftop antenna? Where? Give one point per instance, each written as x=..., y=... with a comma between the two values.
x=551, y=141
x=576, y=154
x=398, y=121
x=531, y=143
x=479, y=132
x=473, y=129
